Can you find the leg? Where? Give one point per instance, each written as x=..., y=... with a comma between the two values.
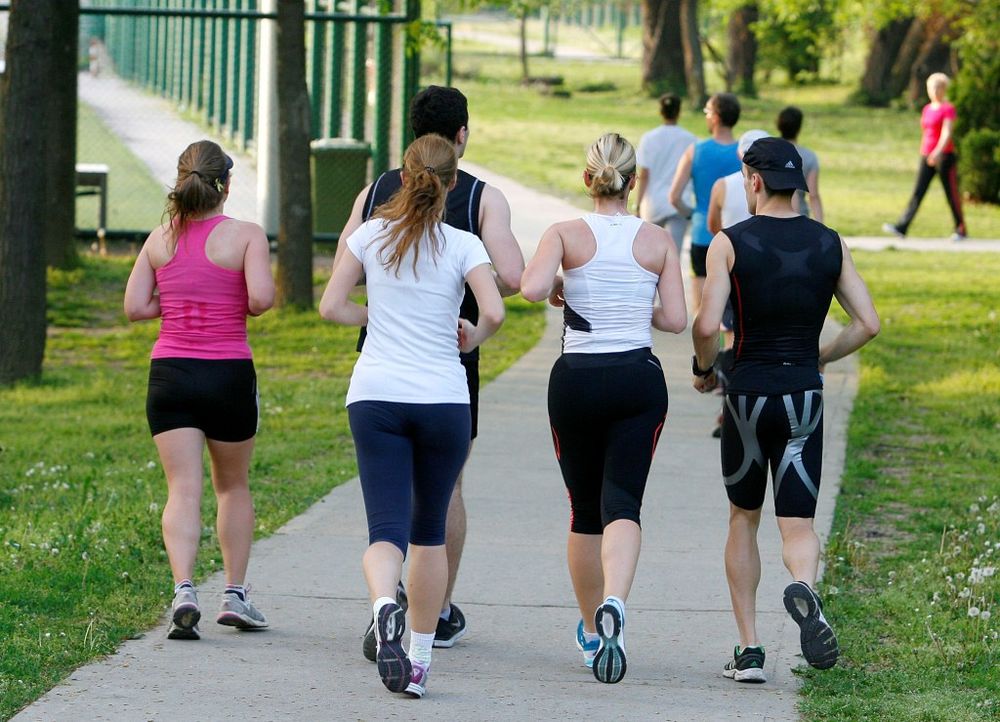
x=454, y=536
x=698, y=270
x=799, y=548
x=677, y=225
x=949, y=179
x=235, y=517
x=583, y=553
x=181, y=455
x=620, y=556
x=743, y=571
x=924, y=175
x=425, y=586
x=383, y=565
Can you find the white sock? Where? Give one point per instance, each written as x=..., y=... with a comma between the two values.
x=183, y=583
x=590, y=636
x=421, y=646
x=446, y=613
x=618, y=603
x=379, y=603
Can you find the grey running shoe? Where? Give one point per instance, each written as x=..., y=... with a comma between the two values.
x=450, y=630
x=746, y=666
x=240, y=613
x=184, y=615
x=609, y=662
x=891, y=229
x=819, y=643
x=418, y=679
x=393, y=665
x=368, y=646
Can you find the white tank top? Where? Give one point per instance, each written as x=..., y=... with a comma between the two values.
x=609, y=299
x=734, y=210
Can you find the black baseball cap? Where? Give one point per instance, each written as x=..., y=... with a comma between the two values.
x=778, y=162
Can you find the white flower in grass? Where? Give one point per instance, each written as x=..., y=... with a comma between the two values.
x=965, y=593
x=974, y=509
x=973, y=611
x=153, y=507
x=832, y=591
x=150, y=464
x=985, y=615
x=55, y=551
x=84, y=556
x=980, y=528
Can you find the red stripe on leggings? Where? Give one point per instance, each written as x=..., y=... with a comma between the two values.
x=555, y=442
x=656, y=437
x=956, y=197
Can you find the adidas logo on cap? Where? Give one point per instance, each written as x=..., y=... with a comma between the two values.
x=791, y=165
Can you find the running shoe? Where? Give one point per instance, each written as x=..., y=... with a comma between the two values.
x=958, y=237
x=184, y=615
x=819, y=643
x=609, y=662
x=239, y=612
x=393, y=665
x=589, y=649
x=368, y=646
x=450, y=630
x=746, y=666
x=418, y=679
x=891, y=229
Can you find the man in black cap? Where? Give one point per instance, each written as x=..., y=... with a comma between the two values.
x=780, y=270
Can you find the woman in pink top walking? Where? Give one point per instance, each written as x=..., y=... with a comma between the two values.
x=202, y=273
x=937, y=155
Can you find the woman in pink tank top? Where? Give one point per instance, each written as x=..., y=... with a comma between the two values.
x=202, y=274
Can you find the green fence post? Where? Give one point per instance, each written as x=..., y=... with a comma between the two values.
x=383, y=92
x=335, y=102
x=223, y=71
x=359, y=46
x=211, y=111
x=235, y=67
x=189, y=75
x=199, y=73
x=411, y=71
x=621, y=18
x=315, y=35
x=447, y=56
x=249, y=78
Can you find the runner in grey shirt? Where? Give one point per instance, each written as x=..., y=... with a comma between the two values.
x=789, y=124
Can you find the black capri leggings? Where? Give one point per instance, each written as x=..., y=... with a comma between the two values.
x=606, y=413
x=409, y=457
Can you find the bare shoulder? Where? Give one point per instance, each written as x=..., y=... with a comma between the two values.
x=493, y=197
x=652, y=246
x=156, y=246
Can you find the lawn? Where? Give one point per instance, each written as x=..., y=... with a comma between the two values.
x=868, y=155
x=910, y=582
x=81, y=489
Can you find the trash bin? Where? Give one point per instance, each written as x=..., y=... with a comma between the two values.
x=339, y=171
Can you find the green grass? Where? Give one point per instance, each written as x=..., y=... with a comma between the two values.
x=919, y=509
x=135, y=199
x=81, y=490
x=868, y=156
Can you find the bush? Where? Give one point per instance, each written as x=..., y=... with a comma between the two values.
x=979, y=164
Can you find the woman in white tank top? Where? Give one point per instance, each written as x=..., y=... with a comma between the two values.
x=607, y=395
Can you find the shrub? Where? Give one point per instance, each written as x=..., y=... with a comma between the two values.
x=979, y=164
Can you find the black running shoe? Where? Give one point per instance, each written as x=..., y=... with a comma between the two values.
x=746, y=666
x=609, y=662
x=450, y=630
x=393, y=664
x=369, y=647
x=819, y=643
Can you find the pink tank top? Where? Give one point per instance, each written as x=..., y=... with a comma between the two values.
x=203, y=306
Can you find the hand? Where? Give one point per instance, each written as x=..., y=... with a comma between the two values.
x=704, y=384
x=466, y=335
x=556, y=298
x=933, y=158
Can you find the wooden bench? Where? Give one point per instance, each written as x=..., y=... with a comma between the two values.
x=93, y=177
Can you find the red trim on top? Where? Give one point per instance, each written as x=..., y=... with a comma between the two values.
x=656, y=437
x=739, y=312
x=555, y=442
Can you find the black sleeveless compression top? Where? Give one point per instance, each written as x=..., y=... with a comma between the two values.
x=782, y=283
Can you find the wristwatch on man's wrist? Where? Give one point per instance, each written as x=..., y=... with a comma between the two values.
x=700, y=372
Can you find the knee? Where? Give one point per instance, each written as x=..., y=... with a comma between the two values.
x=744, y=518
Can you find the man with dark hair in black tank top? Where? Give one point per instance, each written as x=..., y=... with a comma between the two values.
x=780, y=271
x=481, y=209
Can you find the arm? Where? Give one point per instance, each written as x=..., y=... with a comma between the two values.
x=640, y=191
x=715, y=203
x=671, y=315
x=335, y=305
x=257, y=271
x=353, y=221
x=935, y=155
x=705, y=329
x=538, y=279
x=815, y=203
x=853, y=296
x=494, y=229
x=491, y=309
x=681, y=177
x=141, y=300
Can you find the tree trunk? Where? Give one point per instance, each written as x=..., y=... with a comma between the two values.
x=934, y=56
x=295, y=223
x=742, y=56
x=694, y=68
x=525, y=75
x=885, y=47
x=60, y=221
x=24, y=86
x=899, y=75
x=662, y=52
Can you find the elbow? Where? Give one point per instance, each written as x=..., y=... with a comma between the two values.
x=133, y=314
x=494, y=317
x=872, y=327
x=509, y=281
x=327, y=311
x=676, y=324
x=257, y=306
x=701, y=330
x=533, y=294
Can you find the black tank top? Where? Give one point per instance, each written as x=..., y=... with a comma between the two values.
x=783, y=278
x=461, y=212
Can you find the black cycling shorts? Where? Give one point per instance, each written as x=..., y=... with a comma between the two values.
x=783, y=433
x=217, y=397
x=606, y=411
x=698, y=255
x=470, y=362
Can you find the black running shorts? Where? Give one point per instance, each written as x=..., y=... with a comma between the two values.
x=698, y=256
x=218, y=397
x=783, y=433
x=470, y=362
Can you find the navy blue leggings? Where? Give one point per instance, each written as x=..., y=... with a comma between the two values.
x=409, y=457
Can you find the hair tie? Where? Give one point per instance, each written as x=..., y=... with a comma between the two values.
x=430, y=169
x=219, y=185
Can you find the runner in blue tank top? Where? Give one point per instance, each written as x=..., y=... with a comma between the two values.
x=704, y=163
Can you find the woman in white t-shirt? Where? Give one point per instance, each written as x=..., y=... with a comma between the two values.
x=408, y=401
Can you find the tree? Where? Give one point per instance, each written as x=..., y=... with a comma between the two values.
x=694, y=68
x=60, y=221
x=295, y=224
x=23, y=204
x=742, y=51
x=662, y=48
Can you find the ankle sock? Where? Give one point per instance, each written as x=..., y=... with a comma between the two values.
x=446, y=613
x=238, y=589
x=420, y=647
x=379, y=603
x=590, y=636
x=183, y=583
x=618, y=603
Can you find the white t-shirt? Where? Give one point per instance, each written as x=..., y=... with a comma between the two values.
x=411, y=352
x=660, y=151
x=734, y=209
